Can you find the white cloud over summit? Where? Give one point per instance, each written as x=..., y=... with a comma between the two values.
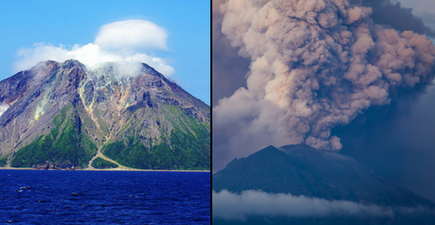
x=122, y=42
x=131, y=34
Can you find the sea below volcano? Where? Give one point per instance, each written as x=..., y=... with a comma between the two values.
x=104, y=197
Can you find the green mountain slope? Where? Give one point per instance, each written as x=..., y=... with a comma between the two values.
x=66, y=145
x=62, y=115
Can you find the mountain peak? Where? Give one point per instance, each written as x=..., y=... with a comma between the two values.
x=108, y=68
x=303, y=170
x=72, y=63
x=145, y=115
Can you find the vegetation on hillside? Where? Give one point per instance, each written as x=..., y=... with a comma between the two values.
x=65, y=146
x=188, y=147
x=100, y=163
x=3, y=160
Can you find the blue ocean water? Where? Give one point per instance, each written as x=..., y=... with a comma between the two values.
x=104, y=197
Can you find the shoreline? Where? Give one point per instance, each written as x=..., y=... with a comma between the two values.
x=111, y=169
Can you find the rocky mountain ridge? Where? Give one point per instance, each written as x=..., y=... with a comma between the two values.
x=301, y=170
x=65, y=114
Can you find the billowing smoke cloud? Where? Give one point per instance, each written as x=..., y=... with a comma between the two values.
x=230, y=206
x=314, y=65
x=122, y=42
x=228, y=69
x=385, y=12
x=3, y=108
x=422, y=9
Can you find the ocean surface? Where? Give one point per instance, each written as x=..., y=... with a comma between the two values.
x=104, y=197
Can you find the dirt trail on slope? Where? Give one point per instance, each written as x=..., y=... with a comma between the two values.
x=101, y=155
x=107, y=139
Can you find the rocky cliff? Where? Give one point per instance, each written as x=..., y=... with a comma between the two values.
x=64, y=115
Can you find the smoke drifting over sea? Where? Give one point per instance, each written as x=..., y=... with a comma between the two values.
x=231, y=206
x=314, y=65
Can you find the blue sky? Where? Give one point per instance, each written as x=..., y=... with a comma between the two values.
x=77, y=22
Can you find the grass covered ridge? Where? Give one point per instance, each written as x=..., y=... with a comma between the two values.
x=182, y=143
x=3, y=160
x=100, y=163
x=187, y=147
x=66, y=145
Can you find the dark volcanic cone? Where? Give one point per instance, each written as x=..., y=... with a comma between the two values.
x=301, y=170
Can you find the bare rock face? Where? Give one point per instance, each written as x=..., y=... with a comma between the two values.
x=63, y=114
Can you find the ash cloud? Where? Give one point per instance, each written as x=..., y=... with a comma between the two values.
x=422, y=9
x=314, y=65
x=123, y=42
x=228, y=69
x=396, y=141
x=398, y=16
x=230, y=206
